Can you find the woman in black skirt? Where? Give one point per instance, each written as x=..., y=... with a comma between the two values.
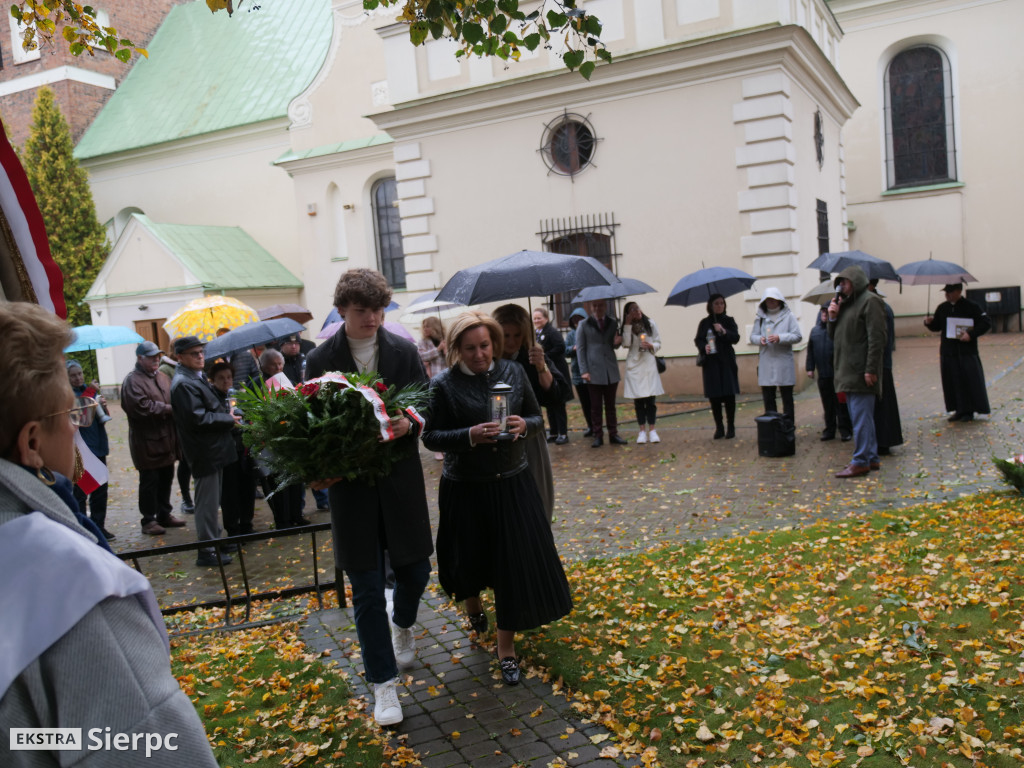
x=493, y=532
x=716, y=336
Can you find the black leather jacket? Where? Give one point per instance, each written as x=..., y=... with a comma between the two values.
x=203, y=422
x=459, y=402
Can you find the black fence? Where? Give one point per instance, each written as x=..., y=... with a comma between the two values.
x=247, y=597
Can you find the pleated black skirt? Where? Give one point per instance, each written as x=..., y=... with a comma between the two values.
x=495, y=535
x=888, y=428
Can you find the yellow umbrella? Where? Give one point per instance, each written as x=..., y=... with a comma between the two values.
x=204, y=316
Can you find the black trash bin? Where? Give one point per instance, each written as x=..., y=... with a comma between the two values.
x=776, y=435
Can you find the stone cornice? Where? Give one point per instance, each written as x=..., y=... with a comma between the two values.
x=670, y=67
x=309, y=165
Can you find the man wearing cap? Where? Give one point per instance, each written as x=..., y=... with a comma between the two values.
x=204, y=428
x=856, y=323
x=146, y=400
x=961, y=322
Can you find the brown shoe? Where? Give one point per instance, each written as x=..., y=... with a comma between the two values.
x=853, y=470
x=875, y=466
x=153, y=528
x=173, y=522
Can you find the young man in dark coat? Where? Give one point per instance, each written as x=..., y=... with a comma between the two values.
x=963, y=378
x=390, y=516
x=856, y=322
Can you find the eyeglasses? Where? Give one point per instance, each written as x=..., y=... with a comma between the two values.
x=81, y=415
x=195, y=352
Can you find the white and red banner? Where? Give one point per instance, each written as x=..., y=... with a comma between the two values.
x=94, y=471
x=26, y=223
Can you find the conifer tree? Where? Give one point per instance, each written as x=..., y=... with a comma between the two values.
x=78, y=241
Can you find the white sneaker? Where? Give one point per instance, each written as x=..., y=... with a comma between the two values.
x=389, y=601
x=653, y=437
x=642, y=437
x=404, y=643
x=386, y=708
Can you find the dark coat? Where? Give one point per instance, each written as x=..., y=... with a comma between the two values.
x=859, y=335
x=595, y=350
x=460, y=401
x=95, y=435
x=963, y=308
x=397, y=504
x=550, y=338
x=963, y=377
x=146, y=400
x=720, y=374
x=820, y=350
x=560, y=385
x=203, y=421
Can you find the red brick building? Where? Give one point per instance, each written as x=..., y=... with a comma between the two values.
x=82, y=84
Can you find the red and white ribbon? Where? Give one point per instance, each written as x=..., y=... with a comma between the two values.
x=94, y=471
x=371, y=396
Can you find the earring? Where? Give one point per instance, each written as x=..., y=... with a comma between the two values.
x=46, y=476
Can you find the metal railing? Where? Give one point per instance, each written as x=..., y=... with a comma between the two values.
x=248, y=597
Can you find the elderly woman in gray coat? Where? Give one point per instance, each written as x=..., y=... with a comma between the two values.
x=775, y=332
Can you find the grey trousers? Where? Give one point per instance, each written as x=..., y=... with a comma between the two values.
x=207, y=501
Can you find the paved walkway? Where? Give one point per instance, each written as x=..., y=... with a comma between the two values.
x=618, y=499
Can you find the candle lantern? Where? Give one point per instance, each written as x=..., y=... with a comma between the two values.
x=499, y=409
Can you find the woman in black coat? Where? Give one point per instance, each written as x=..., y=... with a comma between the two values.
x=716, y=336
x=492, y=531
x=553, y=344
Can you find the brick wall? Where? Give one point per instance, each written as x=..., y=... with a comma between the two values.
x=138, y=21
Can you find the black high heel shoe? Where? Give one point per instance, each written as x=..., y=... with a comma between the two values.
x=510, y=670
x=478, y=622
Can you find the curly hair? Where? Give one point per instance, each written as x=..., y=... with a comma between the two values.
x=32, y=341
x=513, y=314
x=465, y=322
x=366, y=287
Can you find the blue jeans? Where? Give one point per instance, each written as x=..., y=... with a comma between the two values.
x=372, y=622
x=862, y=414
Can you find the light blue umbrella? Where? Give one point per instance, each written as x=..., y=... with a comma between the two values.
x=101, y=336
x=697, y=287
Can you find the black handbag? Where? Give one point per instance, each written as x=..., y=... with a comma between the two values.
x=660, y=362
x=700, y=358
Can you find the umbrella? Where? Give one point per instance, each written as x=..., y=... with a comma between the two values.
x=252, y=335
x=428, y=304
x=522, y=275
x=293, y=311
x=396, y=328
x=933, y=272
x=627, y=287
x=334, y=317
x=101, y=337
x=697, y=287
x=823, y=290
x=874, y=267
x=204, y=316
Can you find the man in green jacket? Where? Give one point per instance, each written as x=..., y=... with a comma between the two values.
x=856, y=322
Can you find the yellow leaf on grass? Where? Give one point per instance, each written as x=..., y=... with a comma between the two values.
x=865, y=751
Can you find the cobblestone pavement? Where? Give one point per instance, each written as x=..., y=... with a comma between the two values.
x=617, y=499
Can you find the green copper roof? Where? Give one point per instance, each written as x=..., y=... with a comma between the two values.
x=208, y=72
x=335, y=148
x=223, y=258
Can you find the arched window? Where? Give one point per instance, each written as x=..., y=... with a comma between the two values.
x=388, y=231
x=920, y=144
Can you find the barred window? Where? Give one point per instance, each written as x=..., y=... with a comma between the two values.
x=388, y=231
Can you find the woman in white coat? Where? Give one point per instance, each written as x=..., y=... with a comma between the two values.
x=775, y=332
x=642, y=380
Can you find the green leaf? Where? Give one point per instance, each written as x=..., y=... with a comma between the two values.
x=531, y=41
x=511, y=38
x=123, y=55
x=557, y=20
x=485, y=8
x=587, y=69
x=436, y=29
x=572, y=59
x=604, y=54
x=418, y=32
x=370, y=5
x=473, y=33
x=498, y=24
x=508, y=6
x=76, y=49
x=593, y=26
x=533, y=15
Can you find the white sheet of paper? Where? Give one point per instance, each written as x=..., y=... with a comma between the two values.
x=956, y=325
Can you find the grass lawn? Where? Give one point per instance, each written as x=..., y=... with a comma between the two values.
x=891, y=639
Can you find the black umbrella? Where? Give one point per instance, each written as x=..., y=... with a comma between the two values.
x=933, y=272
x=874, y=267
x=252, y=335
x=627, y=286
x=522, y=275
x=698, y=287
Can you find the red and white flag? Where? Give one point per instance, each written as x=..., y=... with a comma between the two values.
x=94, y=471
x=26, y=222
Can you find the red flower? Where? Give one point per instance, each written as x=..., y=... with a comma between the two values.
x=380, y=387
x=310, y=389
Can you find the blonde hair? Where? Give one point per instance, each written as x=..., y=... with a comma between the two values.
x=32, y=342
x=435, y=326
x=467, y=321
x=513, y=314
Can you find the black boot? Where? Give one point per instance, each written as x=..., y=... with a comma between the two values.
x=719, y=429
x=716, y=411
x=730, y=417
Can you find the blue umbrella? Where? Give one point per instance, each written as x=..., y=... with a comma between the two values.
x=697, y=287
x=101, y=337
x=874, y=267
x=252, y=335
x=627, y=287
x=934, y=272
x=522, y=275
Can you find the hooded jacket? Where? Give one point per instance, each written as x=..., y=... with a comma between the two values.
x=859, y=336
x=775, y=366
